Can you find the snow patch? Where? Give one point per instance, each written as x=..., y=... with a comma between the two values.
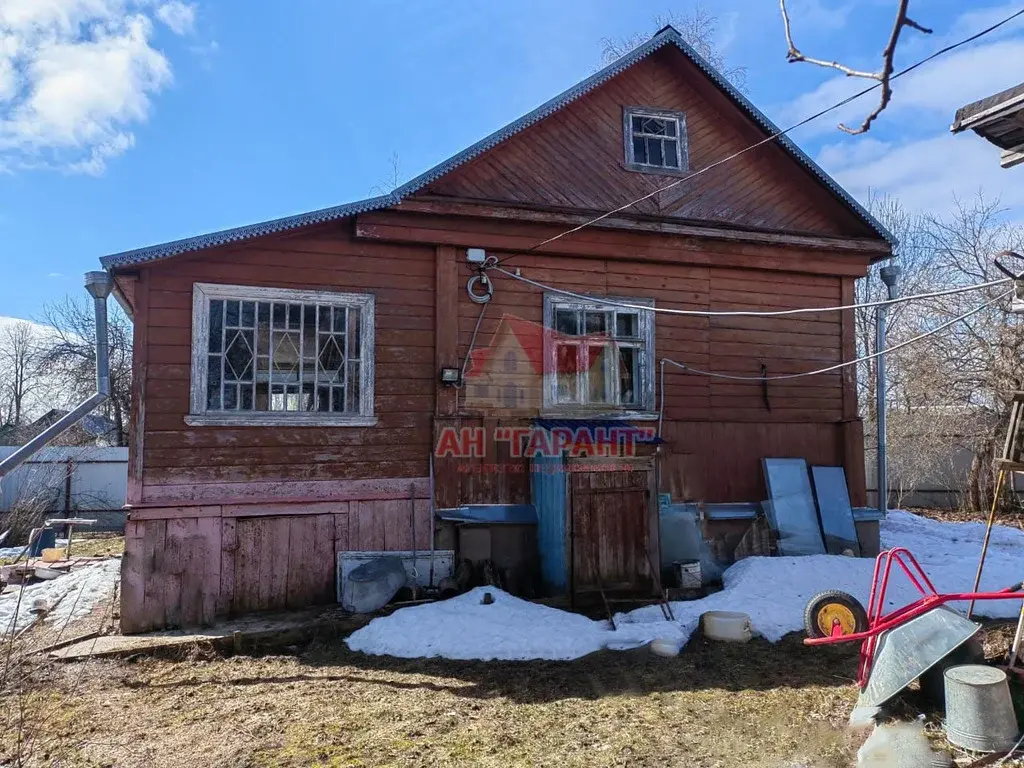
x=78, y=592
x=509, y=629
x=773, y=591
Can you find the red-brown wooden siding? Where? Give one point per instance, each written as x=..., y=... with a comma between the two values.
x=575, y=159
x=181, y=461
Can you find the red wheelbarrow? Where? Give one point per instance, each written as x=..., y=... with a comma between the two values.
x=900, y=646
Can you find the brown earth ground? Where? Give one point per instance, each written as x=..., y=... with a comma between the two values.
x=319, y=704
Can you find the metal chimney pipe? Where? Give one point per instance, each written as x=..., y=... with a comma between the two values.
x=890, y=276
x=99, y=285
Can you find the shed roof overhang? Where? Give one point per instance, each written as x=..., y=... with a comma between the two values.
x=998, y=119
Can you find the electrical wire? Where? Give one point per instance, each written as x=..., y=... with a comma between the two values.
x=762, y=379
x=837, y=366
x=772, y=137
x=749, y=312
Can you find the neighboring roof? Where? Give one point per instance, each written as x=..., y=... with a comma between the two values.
x=666, y=36
x=973, y=111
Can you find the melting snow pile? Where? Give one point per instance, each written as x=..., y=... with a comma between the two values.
x=77, y=593
x=509, y=628
x=773, y=590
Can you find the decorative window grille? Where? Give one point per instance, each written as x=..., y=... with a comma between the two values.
x=274, y=355
x=655, y=140
x=598, y=358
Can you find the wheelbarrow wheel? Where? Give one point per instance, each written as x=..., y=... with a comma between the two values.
x=834, y=612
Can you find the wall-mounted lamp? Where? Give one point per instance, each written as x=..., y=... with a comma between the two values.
x=450, y=376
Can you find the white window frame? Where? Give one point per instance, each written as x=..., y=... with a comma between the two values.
x=646, y=357
x=199, y=415
x=682, y=148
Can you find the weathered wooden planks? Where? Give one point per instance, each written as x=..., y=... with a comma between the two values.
x=761, y=188
x=186, y=566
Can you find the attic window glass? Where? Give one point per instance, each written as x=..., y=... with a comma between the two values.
x=270, y=355
x=598, y=357
x=655, y=140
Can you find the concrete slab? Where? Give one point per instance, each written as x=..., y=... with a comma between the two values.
x=263, y=629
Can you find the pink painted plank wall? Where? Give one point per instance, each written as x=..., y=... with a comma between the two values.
x=181, y=570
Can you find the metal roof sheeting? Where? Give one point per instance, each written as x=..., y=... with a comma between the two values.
x=666, y=36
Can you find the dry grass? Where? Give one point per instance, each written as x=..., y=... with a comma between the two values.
x=89, y=545
x=716, y=705
x=97, y=544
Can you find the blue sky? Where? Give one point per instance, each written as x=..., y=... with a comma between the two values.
x=125, y=123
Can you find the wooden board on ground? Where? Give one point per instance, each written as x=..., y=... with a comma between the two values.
x=266, y=629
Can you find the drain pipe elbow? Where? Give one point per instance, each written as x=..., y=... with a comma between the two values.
x=99, y=285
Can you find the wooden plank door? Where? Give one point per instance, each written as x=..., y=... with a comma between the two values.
x=610, y=530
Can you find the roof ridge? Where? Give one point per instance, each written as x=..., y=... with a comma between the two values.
x=668, y=35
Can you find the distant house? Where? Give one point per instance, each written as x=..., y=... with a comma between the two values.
x=1000, y=120
x=93, y=429
x=288, y=396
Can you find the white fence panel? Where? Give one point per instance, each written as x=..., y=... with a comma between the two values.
x=96, y=476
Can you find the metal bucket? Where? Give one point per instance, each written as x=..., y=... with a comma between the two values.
x=688, y=574
x=907, y=651
x=979, y=712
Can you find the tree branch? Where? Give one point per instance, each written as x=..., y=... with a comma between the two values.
x=883, y=76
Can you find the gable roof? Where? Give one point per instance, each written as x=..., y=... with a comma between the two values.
x=666, y=36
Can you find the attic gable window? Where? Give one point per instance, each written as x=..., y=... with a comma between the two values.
x=275, y=356
x=598, y=358
x=655, y=140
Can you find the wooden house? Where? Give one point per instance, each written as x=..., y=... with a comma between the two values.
x=288, y=398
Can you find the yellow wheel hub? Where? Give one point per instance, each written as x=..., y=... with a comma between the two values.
x=830, y=614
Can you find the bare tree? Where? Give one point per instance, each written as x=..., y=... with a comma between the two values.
x=950, y=391
x=883, y=75
x=69, y=355
x=699, y=28
x=393, y=179
x=20, y=374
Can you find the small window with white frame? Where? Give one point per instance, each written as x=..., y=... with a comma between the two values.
x=655, y=140
x=263, y=356
x=598, y=357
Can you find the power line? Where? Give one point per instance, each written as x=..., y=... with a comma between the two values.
x=863, y=359
x=747, y=312
x=772, y=137
x=837, y=366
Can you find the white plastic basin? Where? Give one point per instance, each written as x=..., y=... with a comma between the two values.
x=727, y=625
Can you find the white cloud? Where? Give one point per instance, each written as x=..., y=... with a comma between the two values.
x=933, y=92
x=179, y=16
x=923, y=174
x=76, y=76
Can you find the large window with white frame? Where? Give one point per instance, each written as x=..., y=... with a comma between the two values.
x=281, y=356
x=598, y=357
